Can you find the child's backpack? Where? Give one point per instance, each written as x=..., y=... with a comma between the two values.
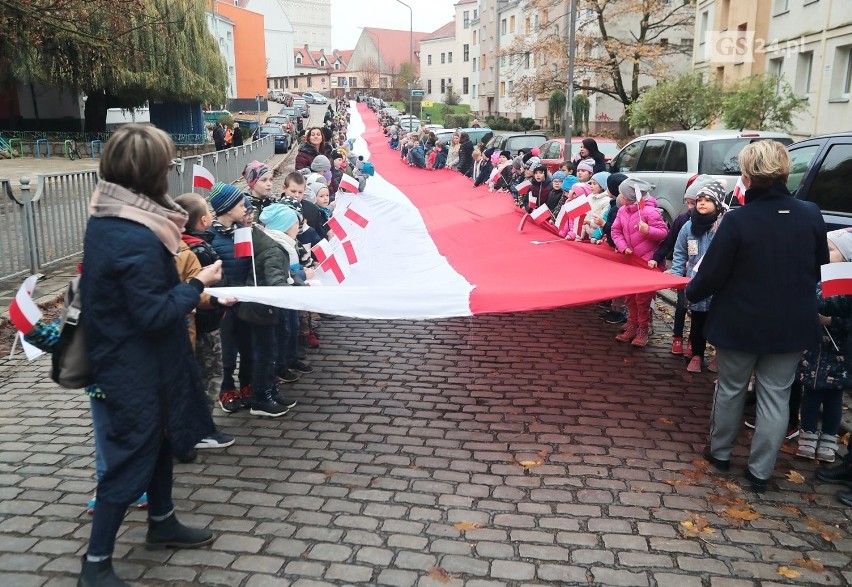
x=70, y=364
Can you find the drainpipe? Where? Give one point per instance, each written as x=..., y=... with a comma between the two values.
x=822, y=44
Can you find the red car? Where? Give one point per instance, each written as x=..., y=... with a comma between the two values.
x=553, y=151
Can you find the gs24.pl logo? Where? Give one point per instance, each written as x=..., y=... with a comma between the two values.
x=742, y=46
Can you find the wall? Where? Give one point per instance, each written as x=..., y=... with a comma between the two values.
x=249, y=50
x=279, y=36
x=223, y=31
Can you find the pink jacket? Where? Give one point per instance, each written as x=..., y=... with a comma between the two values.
x=625, y=229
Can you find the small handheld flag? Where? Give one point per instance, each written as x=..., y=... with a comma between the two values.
x=349, y=248
x=23, y=311
x=739, y=191
x=348, y=184
x=201, y=178
x=335, y=225
x=573, y=209
x=331, y=265
x=242, y=243
x=836, y=279
x=322, y=250
x=524, y=186
x=355, y=217
x=541, y=215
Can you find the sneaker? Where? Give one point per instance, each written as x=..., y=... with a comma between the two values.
x=687, y=349
x=845, y=497
x=215, y=440
x=694, y=364
x=188, y=457
x=90, y=509
x=641, y=338
x=614, y=317
x=285, y=401
x=605, y=305
x=287, y=376
x=840, y=474
x=245, y=396
x=629, y=333
x=230, y=402
x=713, y=366
x=301, y=367
x=271, y=409
x=677, y=345
x=312, y=340
x=807, y=445
x=141, y=503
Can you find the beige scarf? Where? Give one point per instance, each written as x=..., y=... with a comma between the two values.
x=111, y=199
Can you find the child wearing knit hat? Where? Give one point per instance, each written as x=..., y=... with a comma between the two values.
x=599, y=200
x=258, y=177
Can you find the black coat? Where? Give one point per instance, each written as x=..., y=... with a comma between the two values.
x=315, y=218
x=135, y=319
x=761, y=269
x=465, y=165
x=237, y=137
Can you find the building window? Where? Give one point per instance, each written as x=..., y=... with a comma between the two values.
x=443, y=57
x=465, y=85
x=466, y=19
x=229, y=35
x=298, y=59
x=803, y=73
x=295, y=82
x=473, y=91
x=527, y=25
x=776, y=67
x=474, y=64
x=512, y=24
x=449, y=57
x=322, y=63
x=475, y=13
x=780, y=7
x=466, y=52
x=503, y=61
x=443, y=86
x=474, y=37
x=341, y=81
x=504, y=27
x=502, y=89
x=509, y=87
x=428, y=86
x=482, y=61
x=309, y=81
x=527, y=60
x=428, y=60
x=535, y=22
x=353, y=81
x=703, y=26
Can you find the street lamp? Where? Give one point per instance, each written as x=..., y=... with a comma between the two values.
x=410, y=56
x=569, y=95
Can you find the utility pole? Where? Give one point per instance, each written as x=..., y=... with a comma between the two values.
x=569, y=94
x=410, y=56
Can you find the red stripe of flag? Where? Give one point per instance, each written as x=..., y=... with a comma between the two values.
x=335, y=225
x=321, y=250
x=356, y=218
x=201, y=178
x=524, y=187
x=348, y=184
x=23, y=311
x=541, y=214
x=836, y=279
x=243, y=243
x=332, y=266
x=349, y=248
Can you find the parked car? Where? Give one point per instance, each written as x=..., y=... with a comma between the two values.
x=514, y=141
x=409, y=124
x=302, y=105
x=822, y=168
x=289, y=123
x=434, y=127
x=671, y=161
x=282, y=138
x=314, y=98
x=553, y=151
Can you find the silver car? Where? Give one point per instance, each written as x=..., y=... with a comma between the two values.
x=670, y=161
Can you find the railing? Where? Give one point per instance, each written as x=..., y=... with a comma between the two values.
x=31, y=136
x=46, y=227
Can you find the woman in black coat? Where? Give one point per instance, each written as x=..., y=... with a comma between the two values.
x=138, y=343
x=589, y=150
x=762, y=269
x=465, y=165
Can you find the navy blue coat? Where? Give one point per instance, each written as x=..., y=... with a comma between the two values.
x=135, y=311
x=234, y=270
x=761, y=269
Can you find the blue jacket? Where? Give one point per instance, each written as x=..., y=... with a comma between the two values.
x=762, y=269
x=135, y=309
x=683, y=264
x=235, y=270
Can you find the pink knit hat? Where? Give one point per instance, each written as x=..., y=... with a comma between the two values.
x=254, y=171
x=581, y=189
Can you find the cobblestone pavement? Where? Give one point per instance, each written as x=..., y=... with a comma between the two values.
x=518, y=450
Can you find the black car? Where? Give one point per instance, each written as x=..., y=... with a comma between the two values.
x=288, y=122
x=296, y=115
x=283, y=140
x=822, y=169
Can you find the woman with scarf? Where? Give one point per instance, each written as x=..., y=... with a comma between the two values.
x=138, y=345
x=692, y=242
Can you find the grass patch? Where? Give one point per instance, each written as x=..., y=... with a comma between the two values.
x=434, y=111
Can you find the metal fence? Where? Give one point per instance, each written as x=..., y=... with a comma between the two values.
x=43, y=222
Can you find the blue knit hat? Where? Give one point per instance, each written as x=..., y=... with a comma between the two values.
x=223, y=197
x=279, y=217
x=601, y=177
x=559, y=176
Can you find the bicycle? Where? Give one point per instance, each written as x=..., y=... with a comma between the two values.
x=72, y=150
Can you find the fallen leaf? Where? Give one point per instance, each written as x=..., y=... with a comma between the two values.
x=696, y=526
x=809, y=563
x=741, y=514
x=810, y=497
x=830, y=535
x=826, y=533
x=792, y=509
x=844, y=439
x=795, y=477
x=440, y=575
x=676, y=482
x=789, y=449
x=788, y=572
x=543, y=454
x=664, y=421
x=467, y=526
x=329, y=472
x=729, y=500
x=530, y=464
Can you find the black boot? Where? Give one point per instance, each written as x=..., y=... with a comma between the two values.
x=263, y=403
x=173, y=534
x=99, y=574
x=840, y=474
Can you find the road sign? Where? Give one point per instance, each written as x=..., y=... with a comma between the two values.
x=418, y=93
x=428, y=104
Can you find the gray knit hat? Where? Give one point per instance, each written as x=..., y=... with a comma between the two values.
x=630, y=188
x=320, y=164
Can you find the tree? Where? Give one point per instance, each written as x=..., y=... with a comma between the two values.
x=556, y=108
x=761, y=102
x=370, y=72
x=686, y=102
x=611, y=59
x=580, y=112
x=118, y=52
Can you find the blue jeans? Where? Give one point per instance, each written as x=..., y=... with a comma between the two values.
x=265, y=343
x=100, y=421
x=288, y=338
x=236, y=338
x=831, y=401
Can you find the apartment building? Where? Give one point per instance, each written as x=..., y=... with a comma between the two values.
x=446, y=58
x=279, y=36
x=810, y=46
x=378, y=55
x=729, y=36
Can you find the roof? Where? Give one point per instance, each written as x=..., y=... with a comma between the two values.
x=448, y=30
x=345, y=55
x=393, y=45
x=466, y=2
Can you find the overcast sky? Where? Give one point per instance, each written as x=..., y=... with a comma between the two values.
x=348, y=15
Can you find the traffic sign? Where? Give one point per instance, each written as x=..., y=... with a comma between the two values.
x=428, y=104
x=418, y=93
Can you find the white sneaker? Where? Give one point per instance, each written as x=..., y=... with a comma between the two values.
x=216, y=440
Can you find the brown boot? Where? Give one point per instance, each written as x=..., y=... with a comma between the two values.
x=641, y=338
x=629, y=333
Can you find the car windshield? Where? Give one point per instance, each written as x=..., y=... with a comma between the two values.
x=524, y=142
x=722, y=157
x=290, y=111
x=270, y=129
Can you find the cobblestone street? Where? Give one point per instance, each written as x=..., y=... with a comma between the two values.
x=523, y=449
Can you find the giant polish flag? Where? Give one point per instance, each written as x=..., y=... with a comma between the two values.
x=435, y=247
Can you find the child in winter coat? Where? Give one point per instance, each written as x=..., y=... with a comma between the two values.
x=441, y=153
x=638, y=229
x=665, y=250
x=483, y=173
x=417, y=156
x=599, y=199
x=540, y=190
x=556, y=194
x=823, y=373
x=575, y=226
x=692, y=242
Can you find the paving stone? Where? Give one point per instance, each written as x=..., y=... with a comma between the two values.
x=513, y=570
x=604, y=576
x=397, y=578
x=258, y=564
x=562, y=574
x=330, y=552
x=669, y=580
x=380, y=557
x=349, y=573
